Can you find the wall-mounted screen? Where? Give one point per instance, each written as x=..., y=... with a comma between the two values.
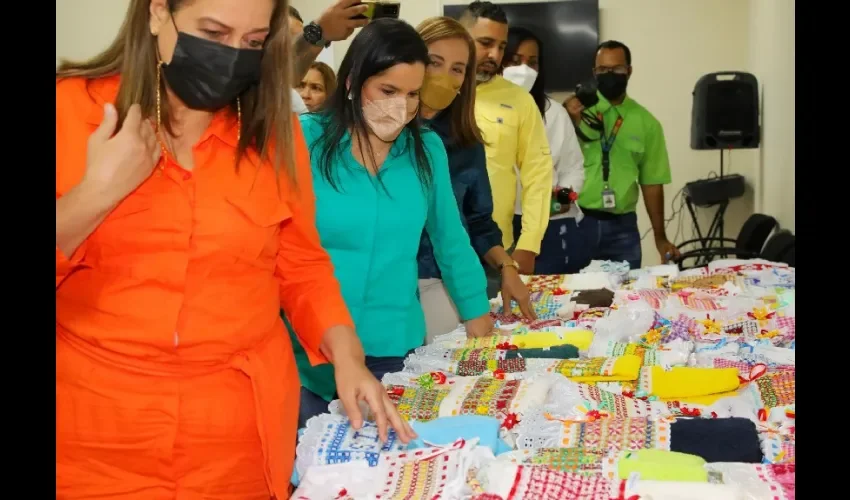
x=569, y=31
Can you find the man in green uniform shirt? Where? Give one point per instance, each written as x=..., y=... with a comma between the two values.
x=624, y=147
x=515, y=136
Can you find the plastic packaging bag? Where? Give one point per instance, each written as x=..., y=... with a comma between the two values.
x=625, y=324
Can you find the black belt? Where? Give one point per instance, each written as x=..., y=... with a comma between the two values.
x=601, y=214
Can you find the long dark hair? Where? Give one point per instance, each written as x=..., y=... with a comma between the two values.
x=380, y=45
x=517, y=35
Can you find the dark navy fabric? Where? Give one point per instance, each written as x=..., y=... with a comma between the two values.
x=471, y=185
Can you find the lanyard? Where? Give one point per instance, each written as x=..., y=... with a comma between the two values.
x=607, y=144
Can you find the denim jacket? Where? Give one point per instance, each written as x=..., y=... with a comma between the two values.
x=471, y=185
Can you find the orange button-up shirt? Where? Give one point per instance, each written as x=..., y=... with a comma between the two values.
x=190, y=270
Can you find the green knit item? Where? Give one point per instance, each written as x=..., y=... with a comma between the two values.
x=661, y=465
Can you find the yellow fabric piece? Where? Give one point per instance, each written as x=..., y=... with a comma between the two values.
x=539, y=340
x=620, y=369
x=661, y=465
x=536, y=340
x=693, y=384
x=581, y=339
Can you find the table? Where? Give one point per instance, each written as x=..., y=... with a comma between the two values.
x=671, y=384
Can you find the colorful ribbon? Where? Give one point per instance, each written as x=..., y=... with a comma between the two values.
x=719, y=345
x=757, y=371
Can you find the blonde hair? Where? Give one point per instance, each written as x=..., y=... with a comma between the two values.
x=266, y=108
x=462, y=110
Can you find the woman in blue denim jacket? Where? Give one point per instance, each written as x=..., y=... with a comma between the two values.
x=448, y=103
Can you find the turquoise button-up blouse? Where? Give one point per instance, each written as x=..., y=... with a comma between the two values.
x=372, y=232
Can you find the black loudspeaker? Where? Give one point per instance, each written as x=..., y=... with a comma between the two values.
x=725, y=112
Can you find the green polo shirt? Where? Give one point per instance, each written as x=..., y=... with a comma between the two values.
x=638, y=156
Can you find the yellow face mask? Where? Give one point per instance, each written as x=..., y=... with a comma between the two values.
x=438, y=91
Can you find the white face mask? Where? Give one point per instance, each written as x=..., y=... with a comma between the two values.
x=522, y=75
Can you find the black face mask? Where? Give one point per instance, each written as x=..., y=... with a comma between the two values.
x=208, y=75
x=612, y=85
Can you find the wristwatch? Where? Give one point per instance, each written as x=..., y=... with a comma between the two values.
x=313, y=35
x=509, y=263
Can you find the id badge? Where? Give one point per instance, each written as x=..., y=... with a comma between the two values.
x=608, y=199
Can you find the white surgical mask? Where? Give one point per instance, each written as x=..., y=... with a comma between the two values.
x=522, y=75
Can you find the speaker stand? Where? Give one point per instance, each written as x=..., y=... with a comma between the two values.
x=714, y=236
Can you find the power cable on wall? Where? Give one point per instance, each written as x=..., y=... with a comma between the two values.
x=712, y=175
x=677, y=206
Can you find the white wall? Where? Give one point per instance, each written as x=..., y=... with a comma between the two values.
x=86, y=27
x=772, y=60
x=674, y=42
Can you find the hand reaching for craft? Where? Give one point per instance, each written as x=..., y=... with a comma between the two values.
x=514, y=289
x=355, y=383
x=482, y=326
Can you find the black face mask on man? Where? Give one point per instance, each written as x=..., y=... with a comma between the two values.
x=612, y=85
x=207, y=75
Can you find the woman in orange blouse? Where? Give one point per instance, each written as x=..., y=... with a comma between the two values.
x=180, y=232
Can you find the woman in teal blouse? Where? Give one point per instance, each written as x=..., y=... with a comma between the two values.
x=379, y=180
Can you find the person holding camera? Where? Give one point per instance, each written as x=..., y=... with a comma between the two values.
x=624, y=148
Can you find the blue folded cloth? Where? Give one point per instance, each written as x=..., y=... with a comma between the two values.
x=447, y=430
x=295, y=479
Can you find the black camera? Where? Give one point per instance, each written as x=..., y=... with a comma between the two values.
x=586, y=93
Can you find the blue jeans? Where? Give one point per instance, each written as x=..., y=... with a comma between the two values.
x=312, y=404
x=614, y=238
x=561, y=250
x=567, y=246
